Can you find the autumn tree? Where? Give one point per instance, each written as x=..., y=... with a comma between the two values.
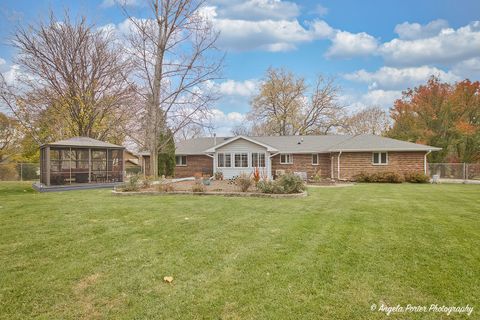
x=10, y=137
x=72, y=75
x=443, y=115
x=371, y=120
x=175, y=60
x=285, y=106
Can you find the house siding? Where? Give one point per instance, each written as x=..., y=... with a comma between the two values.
x=242, y=146
x=303, y=163
x=353, y=163
x=195, y=164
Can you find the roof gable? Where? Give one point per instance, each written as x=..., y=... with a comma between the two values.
x=268, y=147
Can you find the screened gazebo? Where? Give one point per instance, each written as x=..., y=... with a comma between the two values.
x=81, y=161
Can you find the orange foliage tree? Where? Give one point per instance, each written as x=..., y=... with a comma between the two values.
x=443, y=115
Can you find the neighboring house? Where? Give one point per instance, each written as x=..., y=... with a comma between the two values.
x=132, y=162
x=338, y=157
x=144, y=162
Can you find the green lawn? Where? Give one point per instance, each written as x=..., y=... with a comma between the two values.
x=331, y=255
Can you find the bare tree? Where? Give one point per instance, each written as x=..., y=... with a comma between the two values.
x=372, y=120
x=241, y=130
x=72, y=73
x=283, y=106
x=175, y=59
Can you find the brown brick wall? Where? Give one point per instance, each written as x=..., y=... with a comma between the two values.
x=303, y=163
x=195, y=163
x=353, y=163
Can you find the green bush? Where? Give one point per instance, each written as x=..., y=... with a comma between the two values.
x=416, y=177
x=379, y=177
x=131, y=185
x=291, y=183
x=269, y=187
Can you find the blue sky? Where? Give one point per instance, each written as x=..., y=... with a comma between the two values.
x=374, y=49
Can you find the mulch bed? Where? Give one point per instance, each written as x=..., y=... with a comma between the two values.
x=216, y=187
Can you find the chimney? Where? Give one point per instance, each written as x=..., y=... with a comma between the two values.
x=214, y=139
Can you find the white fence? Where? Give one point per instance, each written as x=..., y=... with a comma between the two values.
x=464, y=171
x=19, y=171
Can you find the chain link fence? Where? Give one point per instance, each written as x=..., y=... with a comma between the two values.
x=463, y=171
x=19, y=171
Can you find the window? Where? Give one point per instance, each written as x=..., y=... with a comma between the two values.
x=241, y=160
x=380, y=158
x=180, y=160
x=286, y=158
x=224, y=160
x=258, y=160
x=315, y=158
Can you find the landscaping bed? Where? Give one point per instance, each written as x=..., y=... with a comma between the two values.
x=288, y=186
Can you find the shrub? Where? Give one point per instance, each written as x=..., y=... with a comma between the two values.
x=291, y=183
x=147, y=182
x=268, y=186
x=219, y=175
x=198, y=186
x=381, y=177
x=8, y=172
x=244, y=182
x=416, y=177
x=362, y=177
x=256, y=175
x=165, y=187
x=131, y=185
x=133, y=170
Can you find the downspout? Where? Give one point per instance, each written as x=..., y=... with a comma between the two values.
x=338, y=164
x=425, y=162
x=332, y=173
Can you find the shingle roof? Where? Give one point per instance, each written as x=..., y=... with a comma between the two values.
x=311, y=144
x=83, y=142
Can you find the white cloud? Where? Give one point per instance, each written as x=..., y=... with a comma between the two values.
x=382, y=98
x=395, y=78
x=347, y=45
x=12, y=74
x=412, y=31
x=239, y=88
x=468, y=68
x=274, y=33
x=223, y=122
x=320, y=10
x=259, y=10
x=447, y=47
x=128, y=3
x=2, y=61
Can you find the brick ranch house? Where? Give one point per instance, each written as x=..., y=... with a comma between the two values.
x=338, y=157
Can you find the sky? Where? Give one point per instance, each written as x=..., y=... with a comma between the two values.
x=373, y=48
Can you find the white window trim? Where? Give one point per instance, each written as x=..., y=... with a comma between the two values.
x=318, y=159
x=240, y=153
x=224, y=159
x=258, y=157
x=290, y=156
x=180, y=165
x=379, y=158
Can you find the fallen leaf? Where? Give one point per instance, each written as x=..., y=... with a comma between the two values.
x=168, y=279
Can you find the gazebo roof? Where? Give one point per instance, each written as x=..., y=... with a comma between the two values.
x=85, y=142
